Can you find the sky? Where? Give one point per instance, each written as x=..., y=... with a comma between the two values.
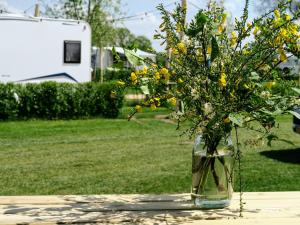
x=148, y=19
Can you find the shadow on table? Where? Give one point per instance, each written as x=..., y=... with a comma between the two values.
x=286, y=155
x=147, y=209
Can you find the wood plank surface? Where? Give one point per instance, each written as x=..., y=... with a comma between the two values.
x=259, y=208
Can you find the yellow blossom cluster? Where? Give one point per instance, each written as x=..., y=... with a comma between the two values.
x=182, y=48
x=233, y=39
x=172, y=101
x=222, y=80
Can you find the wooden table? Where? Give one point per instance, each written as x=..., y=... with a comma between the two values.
x=276, y=208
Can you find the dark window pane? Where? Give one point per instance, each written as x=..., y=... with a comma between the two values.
x=72, y=51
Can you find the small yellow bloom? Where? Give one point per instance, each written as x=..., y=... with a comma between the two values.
x=209, y=50
x=222, y=80
x=145, y=70
x=138, y=108
x=172, y=101
x=287, y=17
x=256, y=30
x=282, y=57
x=220, y=28
x=180, y=81
x=153, y=106
x=277, y=13
x=182, y=48
x=283, y=32
x=226, y=120
x=174, y=51
x=164, y=71
x=113, y=94
x=270, y=84
x=157, y=75
x=133, y=78
x=178, y=27
x=233, y=39
x=120, y=83
x=246, y=52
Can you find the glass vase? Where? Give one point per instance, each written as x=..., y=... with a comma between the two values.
x=212, y=181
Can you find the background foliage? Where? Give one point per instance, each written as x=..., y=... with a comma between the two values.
x=50, y=100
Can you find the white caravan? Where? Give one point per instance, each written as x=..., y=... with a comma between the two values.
x=34, y=49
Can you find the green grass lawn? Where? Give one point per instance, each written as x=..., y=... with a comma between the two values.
x=146, y=155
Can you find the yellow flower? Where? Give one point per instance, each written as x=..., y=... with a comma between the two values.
x=226, y=120
x=282, y=57
x=178, y=27
x=157, y=76
x=182, y=48
x=283, y=33
x=180, y=81
x=113, y=94
x=209, y=50
x=270, y=84
x=220, y=28
x=277, y=13
x=133, y=78
x=145, y=70
x=120, y=83
x=164, y=71
x=138, y=108
x=256, y=30
x=246, y=52
x=172, y=101
x=174, y=51
x=233, y=39
x=157, y=101
x=287, y=17
x=222, y=80
x=153, y=106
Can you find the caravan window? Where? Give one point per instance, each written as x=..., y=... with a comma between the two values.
x=72, y=52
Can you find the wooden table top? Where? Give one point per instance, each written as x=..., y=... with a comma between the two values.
x=276, y=208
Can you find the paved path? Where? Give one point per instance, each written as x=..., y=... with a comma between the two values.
x=276, y=208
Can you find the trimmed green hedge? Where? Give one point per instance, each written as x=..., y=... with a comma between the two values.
x=51, y=100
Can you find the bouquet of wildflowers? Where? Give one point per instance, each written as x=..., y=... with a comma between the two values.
x=226, y=75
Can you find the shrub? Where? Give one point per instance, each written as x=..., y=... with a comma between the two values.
x=8, y=101
x=51, y=100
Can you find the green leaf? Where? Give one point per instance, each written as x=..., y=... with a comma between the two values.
x=254, y=76
x=236, y=118
x=201, y=19
x=274, y=113
x=133, y=58
x=214, y=49
x=297, y=90
x=295, y=114
x=145, y=87
x=119, y=64
x=145, y=90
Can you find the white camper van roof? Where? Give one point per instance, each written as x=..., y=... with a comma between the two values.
x=22, y=17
